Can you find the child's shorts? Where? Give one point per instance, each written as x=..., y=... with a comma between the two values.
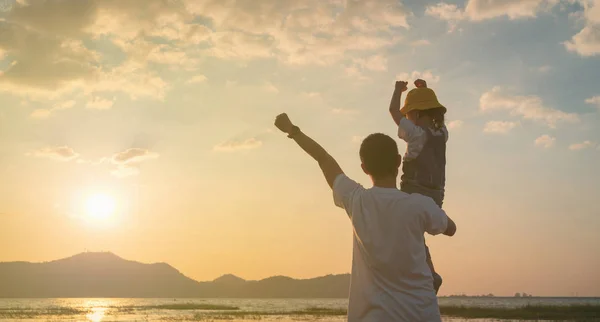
x=436, y=195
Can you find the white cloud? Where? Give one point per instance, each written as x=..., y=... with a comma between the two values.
x=128, y=162
x=499, y=127
x=427, y=75
x=478, y=10
x=528, y=107
x=355, y=72
x=64, y=105
x=344, y=111
x=133, y=156
x=52, y=42
x=587, y=41
x=544, y=69
x=456, y=124
x=545, y=141
x=197, y=79
x=357, y=138
x=41, y=113
x=59, y=153
x=236, y=145
x=514, y=9
x=123, y=171
x=372, y=63
x=420, y=43
x=448, y=12
x=99, y=103
x=580, y=146
x=269, y=87
x=312, y=94
x=594, y=101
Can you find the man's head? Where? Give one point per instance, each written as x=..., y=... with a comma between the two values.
x=379, y=156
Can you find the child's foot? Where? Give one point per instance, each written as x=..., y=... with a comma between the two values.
x=437, y=282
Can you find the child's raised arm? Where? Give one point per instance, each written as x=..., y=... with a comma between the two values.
x=395, y=102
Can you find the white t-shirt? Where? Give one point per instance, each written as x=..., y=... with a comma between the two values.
x=390, y=277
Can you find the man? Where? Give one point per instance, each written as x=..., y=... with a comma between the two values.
x=390, y=277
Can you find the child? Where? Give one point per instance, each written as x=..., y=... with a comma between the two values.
x=421, y=124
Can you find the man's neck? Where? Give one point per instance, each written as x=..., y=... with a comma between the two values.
x=385, y=183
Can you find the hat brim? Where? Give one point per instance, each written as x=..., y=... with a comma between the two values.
x=421, y=106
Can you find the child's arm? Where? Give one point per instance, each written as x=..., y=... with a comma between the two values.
x=395, y=102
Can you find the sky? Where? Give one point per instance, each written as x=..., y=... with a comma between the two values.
x=145, y=128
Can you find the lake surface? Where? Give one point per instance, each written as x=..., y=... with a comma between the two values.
x=237, y=310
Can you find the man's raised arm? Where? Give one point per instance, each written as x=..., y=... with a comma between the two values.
x=328, y=165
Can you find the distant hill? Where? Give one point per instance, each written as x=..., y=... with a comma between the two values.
x=108, y=275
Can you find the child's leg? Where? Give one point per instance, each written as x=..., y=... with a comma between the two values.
x=437, y=279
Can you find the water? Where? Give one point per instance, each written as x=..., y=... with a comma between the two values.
x=283, y=310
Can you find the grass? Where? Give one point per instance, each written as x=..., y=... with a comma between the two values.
x=529, y=312
x=225, y=312
x=190, y=306
x=253, y=315
x=14, y=313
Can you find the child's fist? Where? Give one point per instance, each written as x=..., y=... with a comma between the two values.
x=401, y=86
x=420, y=83
x=283, y=123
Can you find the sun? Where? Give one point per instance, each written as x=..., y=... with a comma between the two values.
x=100, y=207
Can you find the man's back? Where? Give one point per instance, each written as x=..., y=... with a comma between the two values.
x=390, y=277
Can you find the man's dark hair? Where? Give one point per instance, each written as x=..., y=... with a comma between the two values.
x=379, y=154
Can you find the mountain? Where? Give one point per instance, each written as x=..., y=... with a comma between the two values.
x=108, y=275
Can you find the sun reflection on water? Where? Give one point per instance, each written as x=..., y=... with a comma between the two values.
x=97, y=309
x=97, y=314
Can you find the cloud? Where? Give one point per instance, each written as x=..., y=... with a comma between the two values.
x=269, y=87
x=59, y=153
x=300, y=33
x=123, y=171
x=236, y=145
x=133, y=156
x=528, y=107
x=420, y=43
x=197, y=79
x=587, y=41
x=372, y=63
x=99, y=103
x=312, y=94
x=544, y=69
x=344, y=111
x=427, y=75
x=580, y=146
x=448, y=12
x=499, y=127
x=128, y=161
x=56, y=48
x=456, y=124
x=545, y=141
x=594, y=101
x=514, y=9
x=42, y=113
x=478, y=10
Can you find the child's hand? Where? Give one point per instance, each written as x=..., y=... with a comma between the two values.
x=420, y=83
x=401, y=86
x=283, y=123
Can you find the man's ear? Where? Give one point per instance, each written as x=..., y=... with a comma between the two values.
x=362, y=165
